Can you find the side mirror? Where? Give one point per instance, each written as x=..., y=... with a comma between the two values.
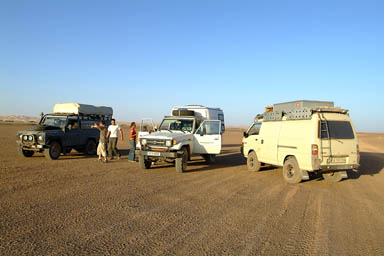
x=245, y=134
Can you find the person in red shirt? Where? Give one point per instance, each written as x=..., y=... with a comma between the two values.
x=132, y=142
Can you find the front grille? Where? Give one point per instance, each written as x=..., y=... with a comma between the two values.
x=156, y=143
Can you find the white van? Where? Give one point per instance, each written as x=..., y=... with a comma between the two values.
x=302, y=137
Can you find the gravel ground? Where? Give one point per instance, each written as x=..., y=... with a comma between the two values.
x=78, y=206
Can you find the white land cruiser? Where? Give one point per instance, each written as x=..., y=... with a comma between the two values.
x=191, y=130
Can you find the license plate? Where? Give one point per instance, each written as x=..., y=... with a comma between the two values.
x=153, y=153
x=340, y=160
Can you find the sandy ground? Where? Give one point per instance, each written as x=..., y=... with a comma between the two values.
x=78, y=206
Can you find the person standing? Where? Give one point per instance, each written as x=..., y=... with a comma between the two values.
x=114, y=131
x=102, y=147
x=132, y=142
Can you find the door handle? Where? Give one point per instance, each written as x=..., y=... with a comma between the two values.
x=262, y=141
x=216, y=139
x=256, y=139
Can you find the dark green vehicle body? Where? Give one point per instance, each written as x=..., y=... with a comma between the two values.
x=58, y=134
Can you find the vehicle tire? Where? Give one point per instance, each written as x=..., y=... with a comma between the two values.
x=144, y=163
x=183, y=112
x=253, y=162
x=291, y=171
x=53, y=152
x=90, y=148
x=181, y=162
x=26, y=153
x=332, y=176
x=209, y=158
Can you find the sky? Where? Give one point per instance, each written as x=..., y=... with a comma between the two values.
x=144, y=57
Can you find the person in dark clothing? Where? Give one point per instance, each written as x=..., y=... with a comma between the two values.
x=102, y=147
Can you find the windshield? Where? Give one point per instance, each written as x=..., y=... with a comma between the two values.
x=56, y=121
x=177, y=125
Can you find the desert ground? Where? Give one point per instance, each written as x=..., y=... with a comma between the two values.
x=77, y=205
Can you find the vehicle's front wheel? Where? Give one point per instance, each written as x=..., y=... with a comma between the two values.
x=53, y=152
x=291, y=171
x=181, y=162
x=144, y=163
x=253, y=162
x=90, y=148
x=26, y=153
x=333, y=176
x=209, y=158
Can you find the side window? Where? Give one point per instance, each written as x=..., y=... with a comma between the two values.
x=255, y=130
x=73, y=123
x=221, y=118
x=209, y=128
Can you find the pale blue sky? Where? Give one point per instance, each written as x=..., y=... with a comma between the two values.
x=143, y=57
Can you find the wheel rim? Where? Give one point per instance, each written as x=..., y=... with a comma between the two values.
x=290, y=171
x=251, y=162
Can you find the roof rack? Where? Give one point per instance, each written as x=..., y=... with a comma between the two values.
x=298, y=110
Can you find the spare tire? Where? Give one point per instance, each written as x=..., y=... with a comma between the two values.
x=183, y=112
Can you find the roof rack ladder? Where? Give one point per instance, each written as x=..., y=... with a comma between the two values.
x=324, y=121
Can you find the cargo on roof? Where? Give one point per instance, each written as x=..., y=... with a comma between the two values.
x=82, y=109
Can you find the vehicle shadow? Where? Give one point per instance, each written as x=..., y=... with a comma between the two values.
x=232, y=158
x=370, y=164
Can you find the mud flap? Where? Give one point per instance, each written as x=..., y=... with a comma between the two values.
x=304, y=175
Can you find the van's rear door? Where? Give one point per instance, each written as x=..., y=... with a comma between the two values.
x=338, y=142
x=207, y=138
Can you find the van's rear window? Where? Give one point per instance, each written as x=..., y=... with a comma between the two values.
x=337, y=130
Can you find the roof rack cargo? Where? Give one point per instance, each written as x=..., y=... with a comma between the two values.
x=298, y=110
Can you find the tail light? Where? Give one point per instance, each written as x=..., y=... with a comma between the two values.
x=358, y=153
x=315, y=150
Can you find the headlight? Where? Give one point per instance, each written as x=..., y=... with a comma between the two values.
x=168, y=143
x=30, y=138
x=41, y=138
x=144, y=141
x=25, y=137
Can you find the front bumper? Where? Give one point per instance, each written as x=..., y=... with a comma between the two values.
x=157, y=154
x=34, y=147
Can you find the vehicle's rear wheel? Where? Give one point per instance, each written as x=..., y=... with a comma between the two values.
x=291, y=171
x=53, y=152
x=253, y=162
x=333, y=176
x=90, y=148
x=209, y=158
x=144, y=163
x=181, y=162
x=26, y=153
